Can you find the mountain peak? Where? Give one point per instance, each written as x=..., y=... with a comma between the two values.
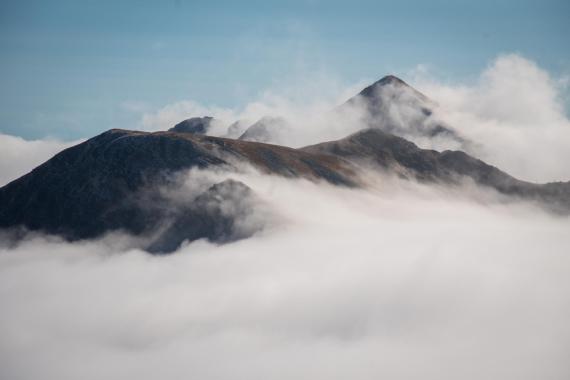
x=388, y=80
x=391, y=79
x=196, y=125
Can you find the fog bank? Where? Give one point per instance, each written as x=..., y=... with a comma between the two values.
x=402, y=281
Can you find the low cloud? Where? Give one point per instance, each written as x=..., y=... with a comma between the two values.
x=515, y=112
x=19, y=156
x=400, y=281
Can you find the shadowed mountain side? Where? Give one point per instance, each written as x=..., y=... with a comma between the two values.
x=115, y=182
x=93, y=187
x=222, y=214
x=400, y=156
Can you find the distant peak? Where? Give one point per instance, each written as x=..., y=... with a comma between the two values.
x=196, y=125
x=388, y=80
x=391, y=79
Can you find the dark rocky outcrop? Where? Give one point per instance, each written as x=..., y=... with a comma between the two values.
x=221, y=214
x=196, y=125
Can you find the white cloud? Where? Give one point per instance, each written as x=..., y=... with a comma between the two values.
x=399, y=281
x=19, y=156
x=402, y=282
x=514, y=113
x=306, y=104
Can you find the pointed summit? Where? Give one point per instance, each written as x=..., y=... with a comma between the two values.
x=392, y=105
x=387, y=92
x=196, y=125
x=391, y=81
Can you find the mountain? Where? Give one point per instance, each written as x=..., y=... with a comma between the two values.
x=389, y=104
x=378, y=149
x=267, y=130
x=393, y=106
x=129, y=181
x=236, y=129
x=207, y=216
x=113, y=181
x=196, y=125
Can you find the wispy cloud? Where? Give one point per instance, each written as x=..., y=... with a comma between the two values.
x=516, y=112
x=19, y=156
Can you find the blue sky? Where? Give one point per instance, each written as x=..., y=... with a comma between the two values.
x=68, y=68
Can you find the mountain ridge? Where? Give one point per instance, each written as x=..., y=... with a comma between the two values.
x=392, y=105
x=113, y=181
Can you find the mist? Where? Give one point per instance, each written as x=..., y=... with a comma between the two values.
x=514, y=112
x=19, y=156
x=400, y=280
x=397, y=280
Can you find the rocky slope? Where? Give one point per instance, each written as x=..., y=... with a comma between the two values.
x=377, y=149
x=112, y=182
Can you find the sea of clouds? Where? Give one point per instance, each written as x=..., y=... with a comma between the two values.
x=399, y=280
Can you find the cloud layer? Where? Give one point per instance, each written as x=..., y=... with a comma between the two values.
x=515, y=113
x=19, y=156
x=404, y=282
x=398, y=281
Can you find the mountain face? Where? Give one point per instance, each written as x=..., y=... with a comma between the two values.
x=377, y=149
x=267, y=130
x=196, y=125
x=223, y=213
x=112, y=182
x=124, y=181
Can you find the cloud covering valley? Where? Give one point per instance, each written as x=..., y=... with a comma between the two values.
x=399, y=280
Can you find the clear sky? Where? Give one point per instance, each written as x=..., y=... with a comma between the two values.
x=68, y=68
